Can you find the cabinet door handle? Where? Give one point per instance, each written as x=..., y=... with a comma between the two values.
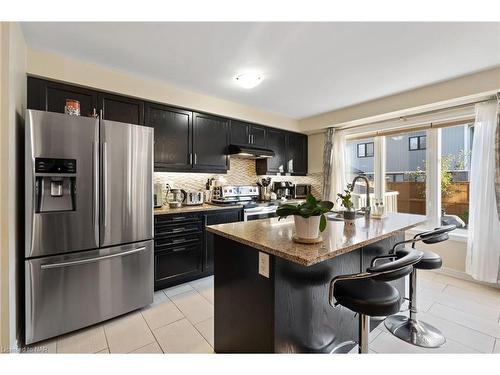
x=190, y=158
x=195, y=158
x=249, y=138
x=252, y=139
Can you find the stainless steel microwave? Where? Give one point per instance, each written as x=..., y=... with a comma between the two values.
x=301, y=190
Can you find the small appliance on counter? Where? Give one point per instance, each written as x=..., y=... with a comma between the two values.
x=265, y=189
x=174, y=197
x=301, y=191
x=159, y=195
x=283, y=189
x=192, y=198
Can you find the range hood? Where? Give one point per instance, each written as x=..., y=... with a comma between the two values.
x=249, y=152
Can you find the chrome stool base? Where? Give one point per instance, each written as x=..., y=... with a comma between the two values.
x=414, y=331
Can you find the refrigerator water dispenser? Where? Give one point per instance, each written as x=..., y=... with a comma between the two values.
x=55, y=185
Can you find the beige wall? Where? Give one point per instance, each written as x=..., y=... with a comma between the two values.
x=420, y=99
x=315, y=152
x=12, y=108
x=50, y=65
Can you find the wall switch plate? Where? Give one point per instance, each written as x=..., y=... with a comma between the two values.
x=264, y=264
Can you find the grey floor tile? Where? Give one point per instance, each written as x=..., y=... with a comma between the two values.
x=162, y=314
x=387, y=343
x=153, y=348
x=195, y=307
x=181, y=337
x=205, y=287
x=128, y=333
x=173, y=291
x=465, y=319
x=89, y=340
x=206, y=328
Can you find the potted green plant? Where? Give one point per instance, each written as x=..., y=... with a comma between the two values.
x=346, y=202
x=309, y=217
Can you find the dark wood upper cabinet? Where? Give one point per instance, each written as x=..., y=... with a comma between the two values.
x=210, y=141
x=173, y=128
x=290, y=154
x=243, y=133
x=240, y=132
x=276, y=141
x=258, y=135
x=51, y=96
x=121, y=108
x=296, y=154
x=185, y=141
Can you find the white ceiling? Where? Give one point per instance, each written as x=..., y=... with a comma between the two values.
x=309, y=68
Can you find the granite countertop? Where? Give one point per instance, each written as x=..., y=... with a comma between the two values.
x=275, y=237
x=165, y=210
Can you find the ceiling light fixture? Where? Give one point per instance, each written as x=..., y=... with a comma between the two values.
x=248, y=80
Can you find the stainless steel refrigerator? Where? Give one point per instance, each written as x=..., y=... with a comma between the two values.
x=89, y=221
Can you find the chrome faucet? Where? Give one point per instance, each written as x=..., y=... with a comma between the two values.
x=367, y=209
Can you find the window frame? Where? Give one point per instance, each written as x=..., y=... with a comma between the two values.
x=366, y=155
x=419, y=143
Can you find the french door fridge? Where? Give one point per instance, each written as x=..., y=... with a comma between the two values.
x=89, y=221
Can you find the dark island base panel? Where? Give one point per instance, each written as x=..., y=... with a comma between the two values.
x=288, y=312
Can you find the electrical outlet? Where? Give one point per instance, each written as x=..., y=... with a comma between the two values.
x=264, y=264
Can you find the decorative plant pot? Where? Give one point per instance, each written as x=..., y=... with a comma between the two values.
x=349, y=215
x=307, y=228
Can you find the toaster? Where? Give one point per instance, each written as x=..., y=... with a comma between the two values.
x=192, y=198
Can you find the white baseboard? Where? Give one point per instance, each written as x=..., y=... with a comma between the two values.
x=463, y=276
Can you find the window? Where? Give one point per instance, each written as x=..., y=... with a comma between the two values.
x=359, y=165
x=456, y=150
x=405, y=177
x=365, y=150
x=413, y=172
x=417, y=143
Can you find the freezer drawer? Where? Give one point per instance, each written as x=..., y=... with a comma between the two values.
x=68, y=292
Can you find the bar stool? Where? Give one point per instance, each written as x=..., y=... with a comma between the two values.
x=410, y=329
x=369, y=293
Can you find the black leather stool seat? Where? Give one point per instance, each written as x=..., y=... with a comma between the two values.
x=430, y=260
x=369, y=297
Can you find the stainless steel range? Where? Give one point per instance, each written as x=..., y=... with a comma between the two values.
x=89, y=222
x=247, y=195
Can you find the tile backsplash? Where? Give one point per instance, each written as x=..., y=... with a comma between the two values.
x=241, y=172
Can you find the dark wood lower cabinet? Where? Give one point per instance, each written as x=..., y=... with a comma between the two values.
x=213, y=218
x=184, y=251
x=289, y=311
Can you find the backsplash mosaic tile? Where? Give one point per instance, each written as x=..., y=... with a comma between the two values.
x=242, y=172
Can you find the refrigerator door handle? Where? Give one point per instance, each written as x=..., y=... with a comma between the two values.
x=95, y=216
x=104, y=187
x=91, y=260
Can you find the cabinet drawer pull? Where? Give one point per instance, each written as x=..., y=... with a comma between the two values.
x=177, y=230
x=179, y=218
x=182, y=248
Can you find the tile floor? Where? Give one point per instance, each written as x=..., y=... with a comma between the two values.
x=181, y=321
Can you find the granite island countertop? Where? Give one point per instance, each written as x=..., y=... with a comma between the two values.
x=275, y=237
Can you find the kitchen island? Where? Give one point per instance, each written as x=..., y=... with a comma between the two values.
x=271, y=294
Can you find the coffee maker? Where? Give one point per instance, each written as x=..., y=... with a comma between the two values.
x=283, y=189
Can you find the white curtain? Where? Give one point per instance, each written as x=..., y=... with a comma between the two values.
x=336, y=173
x=483, y=244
